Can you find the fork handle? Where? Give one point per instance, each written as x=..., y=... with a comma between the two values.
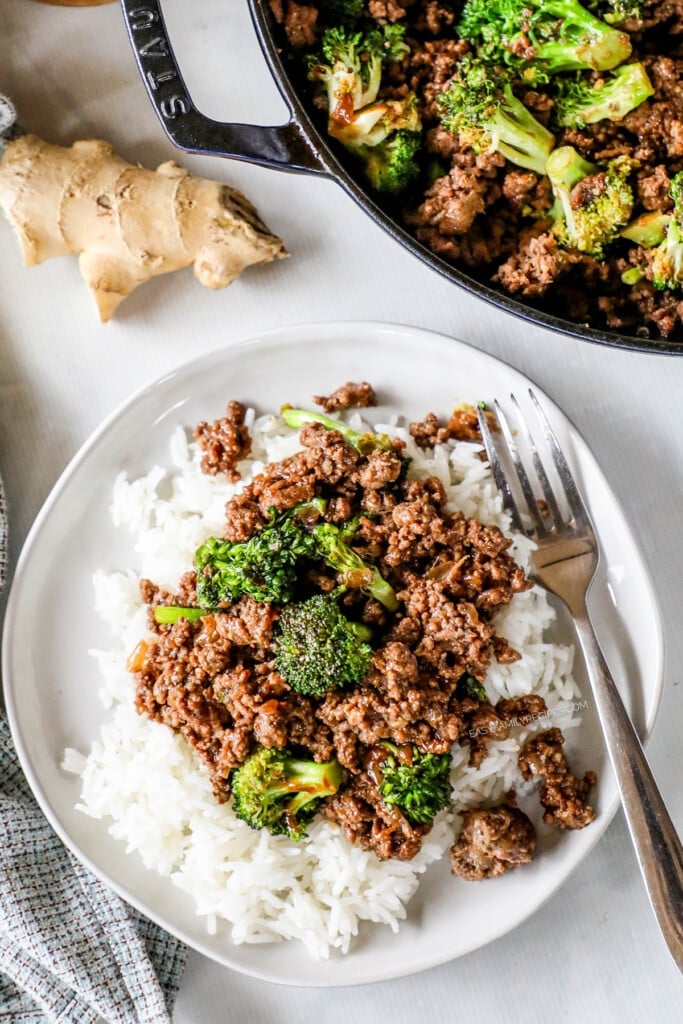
x=657, y=845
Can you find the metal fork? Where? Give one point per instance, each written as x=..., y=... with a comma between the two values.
x=564, y=562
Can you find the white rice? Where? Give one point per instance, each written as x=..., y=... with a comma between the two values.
x=154, y=788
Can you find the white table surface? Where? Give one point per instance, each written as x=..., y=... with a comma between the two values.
x=593, y=953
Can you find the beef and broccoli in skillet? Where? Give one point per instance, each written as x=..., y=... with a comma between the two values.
x=535, y=144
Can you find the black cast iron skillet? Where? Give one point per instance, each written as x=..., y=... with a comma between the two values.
x=301, y=146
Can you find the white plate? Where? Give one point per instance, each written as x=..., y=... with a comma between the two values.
x=51, y=682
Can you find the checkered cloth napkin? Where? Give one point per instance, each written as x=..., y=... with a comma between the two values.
x=71, y=951
x=8, y=114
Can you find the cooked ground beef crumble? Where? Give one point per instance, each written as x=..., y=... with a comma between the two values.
x=348, y=396
x=224, y=442
x=490, y=217
x=492, y=841
x=214, y=680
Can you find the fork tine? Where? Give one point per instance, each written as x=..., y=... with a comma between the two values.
x=539, y=468
x=576, y=504
x=498, y=472
x=522, y=476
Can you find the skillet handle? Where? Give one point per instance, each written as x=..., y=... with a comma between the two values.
x=280, y=146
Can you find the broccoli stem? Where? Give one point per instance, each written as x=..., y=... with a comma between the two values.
x=579, y=103
x=314, y=776
x=633, y=275
x=519, y=136
x=354, y=572
x=647, y=230
x=297, y=417
x=382, y=591
x=480, y=107
x=307, y=780
x=362, y=631
x=566, y=168
x=168, y=614
x=363, y=443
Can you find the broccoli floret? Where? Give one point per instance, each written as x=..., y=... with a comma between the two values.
x=617, y=11
x=341, y=12
x=479, y=106
x=384, y=135
x=417, y=783
x=350, y=68
x=364, y=443
x=468, y=686
x=394, y=45
x=542, y=37
x=318, y=649
x=263, y=567
x=273, y=789
x=266, y=566
x=667, y=260
x=579, y=102
x=592, y=221
x=336, y=553
x=392, y=166
x=385, y=138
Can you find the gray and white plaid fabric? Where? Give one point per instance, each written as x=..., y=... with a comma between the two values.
x=8, y=122
x=71, y=951
x=8, y=114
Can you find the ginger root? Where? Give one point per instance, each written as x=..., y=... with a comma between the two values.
x=126, y=223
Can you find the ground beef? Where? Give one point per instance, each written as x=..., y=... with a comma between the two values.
x=428, y=432
x=455, y=638
x=371, y=823
x=430, y=66
x=224, y=442
x=486, y=724
x=379, y=470
x=563, y=796
x=327, y=459
x=243, y=518
x=452, y=203
x=348, y=396
x=388, y=11
x=153, y=595
x=653, y=189
x=397, y=701
x=463, y=425
x=536, y=265
x=435, y=17
x=300, y=22
x=493, y=840
x=215, y=680
x=521, y=710
x=527, y=192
